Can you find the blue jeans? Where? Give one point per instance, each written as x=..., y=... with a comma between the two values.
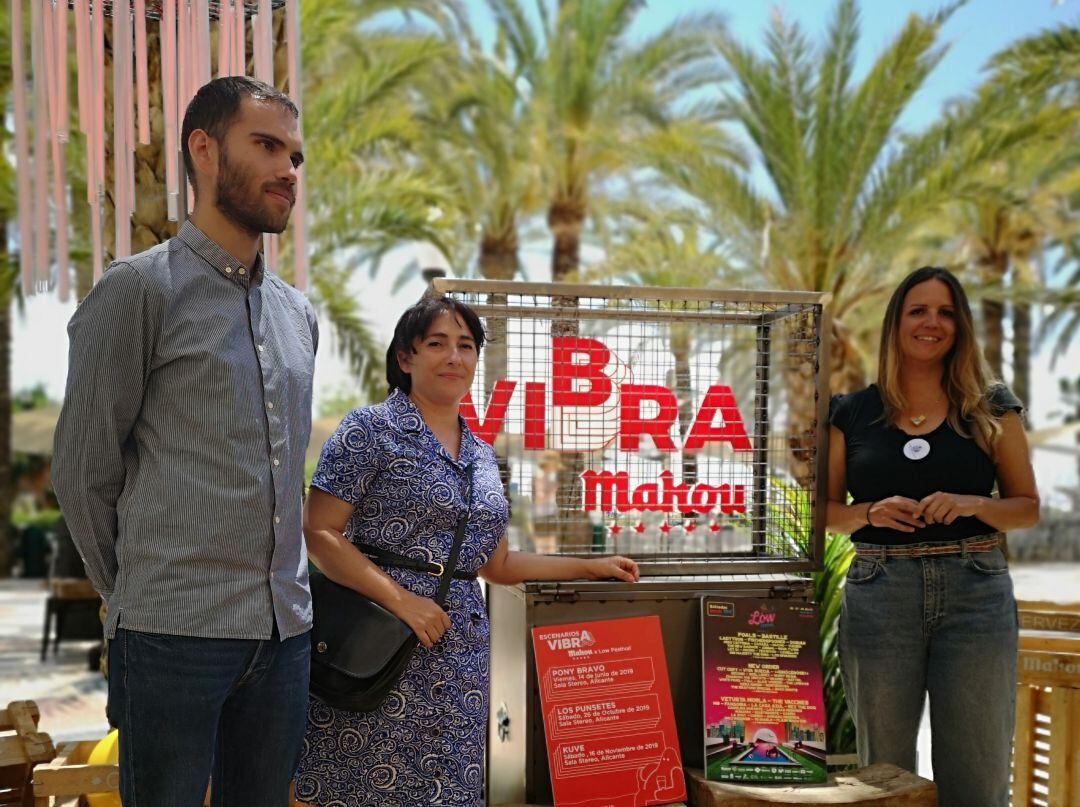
x=945, y=626
x=187, y=707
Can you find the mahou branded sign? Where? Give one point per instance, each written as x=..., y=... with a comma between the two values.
x=592, y=403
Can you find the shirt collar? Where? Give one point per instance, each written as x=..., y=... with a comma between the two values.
x=407, y=420
x=201, y=244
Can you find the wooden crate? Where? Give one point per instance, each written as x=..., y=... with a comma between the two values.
x=63, y=781
x=1046, y=744
x=66, y=779
x=21, y=747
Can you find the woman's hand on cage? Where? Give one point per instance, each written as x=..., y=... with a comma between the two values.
x=896, y=512
x=615, y=567
x=426, y=619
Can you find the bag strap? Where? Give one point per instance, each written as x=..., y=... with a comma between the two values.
x=455, y=550
x=385, y=557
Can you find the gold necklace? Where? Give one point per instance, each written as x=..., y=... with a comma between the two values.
x=920, y=419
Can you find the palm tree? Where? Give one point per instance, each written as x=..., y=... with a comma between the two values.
x=595, y=96
x=599, y=96
x=1001, y=231
x=845, y=193
x=368, y=191
x=8, y=273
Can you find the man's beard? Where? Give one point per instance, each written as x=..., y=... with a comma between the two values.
x=235, y=202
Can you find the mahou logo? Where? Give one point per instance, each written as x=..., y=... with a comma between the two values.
x=593, y=402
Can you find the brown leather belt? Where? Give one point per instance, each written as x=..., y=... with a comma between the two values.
x=968, y=546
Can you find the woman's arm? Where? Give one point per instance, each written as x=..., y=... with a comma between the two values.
x=325, y=517
x=507, y=568
x=839, y=515
x=1017, y=505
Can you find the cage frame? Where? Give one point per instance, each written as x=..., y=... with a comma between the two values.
x=711, y=563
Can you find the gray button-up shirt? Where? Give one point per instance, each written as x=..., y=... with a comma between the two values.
x=179, y=456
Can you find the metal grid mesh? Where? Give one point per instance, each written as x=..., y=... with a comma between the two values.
x=680, y=432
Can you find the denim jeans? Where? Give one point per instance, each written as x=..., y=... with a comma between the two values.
x=187, y=707
x=946, y=626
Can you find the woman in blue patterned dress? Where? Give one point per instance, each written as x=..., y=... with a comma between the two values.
x=396, y=475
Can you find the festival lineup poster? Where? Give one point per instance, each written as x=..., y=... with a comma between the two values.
x=608, y=719
x=764, y=710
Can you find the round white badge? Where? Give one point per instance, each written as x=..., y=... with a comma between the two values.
x=916, y=449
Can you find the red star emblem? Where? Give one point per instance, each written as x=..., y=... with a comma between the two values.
x=665, y=528
x=639, y=528
x=615, y=528
x=714, y=527
x=690, y=526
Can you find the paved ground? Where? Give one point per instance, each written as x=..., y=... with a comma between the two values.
x=72, y=698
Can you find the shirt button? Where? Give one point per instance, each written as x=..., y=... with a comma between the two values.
x=242, y=270
x=276, y=462
x=260, y=348
x=228, y=270
x=277, y=519
x=269, y=404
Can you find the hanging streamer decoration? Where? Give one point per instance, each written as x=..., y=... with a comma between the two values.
x=42, y=117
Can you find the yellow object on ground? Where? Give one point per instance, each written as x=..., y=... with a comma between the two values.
x=106, y=752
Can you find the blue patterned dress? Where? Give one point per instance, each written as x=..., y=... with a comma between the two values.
x=425, y=744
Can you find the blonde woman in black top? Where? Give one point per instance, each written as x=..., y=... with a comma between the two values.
x=935, y=461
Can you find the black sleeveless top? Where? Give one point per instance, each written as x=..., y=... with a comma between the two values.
x=876, y=465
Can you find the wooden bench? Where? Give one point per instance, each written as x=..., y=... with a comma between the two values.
x=874, y=786
x=21, y=747
x=1046, y=745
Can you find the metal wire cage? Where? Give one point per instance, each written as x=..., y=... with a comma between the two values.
x=682, y=427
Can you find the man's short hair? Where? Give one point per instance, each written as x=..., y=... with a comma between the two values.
x=216, y=105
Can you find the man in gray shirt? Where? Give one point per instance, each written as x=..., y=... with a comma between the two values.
x=179, y=465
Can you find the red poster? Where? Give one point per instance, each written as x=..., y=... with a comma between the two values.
x=608, y=719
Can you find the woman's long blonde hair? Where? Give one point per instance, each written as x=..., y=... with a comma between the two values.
x=966, y=378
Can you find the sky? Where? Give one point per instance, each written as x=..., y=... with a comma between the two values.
x=974, y=32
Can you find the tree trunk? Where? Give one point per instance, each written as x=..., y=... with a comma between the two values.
x=566, y=218
x=6, y=491
x=684, y=394
x=150, y=223
x=993, y=268
x=498, y=260
x=1021, y=381
x=846, y=374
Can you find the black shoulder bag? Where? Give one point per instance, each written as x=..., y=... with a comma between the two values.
x=359, y=650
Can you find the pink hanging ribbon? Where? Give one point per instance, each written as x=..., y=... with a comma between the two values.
x=169, y=106
x=82, y=59
x=96, y=140
x=120, y=135
x=22, y=146
x=41, y=147
x=142, y=78
x=299, y=221
x=240, y=30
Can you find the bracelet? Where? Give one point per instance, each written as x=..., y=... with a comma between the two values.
x=869, y=523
